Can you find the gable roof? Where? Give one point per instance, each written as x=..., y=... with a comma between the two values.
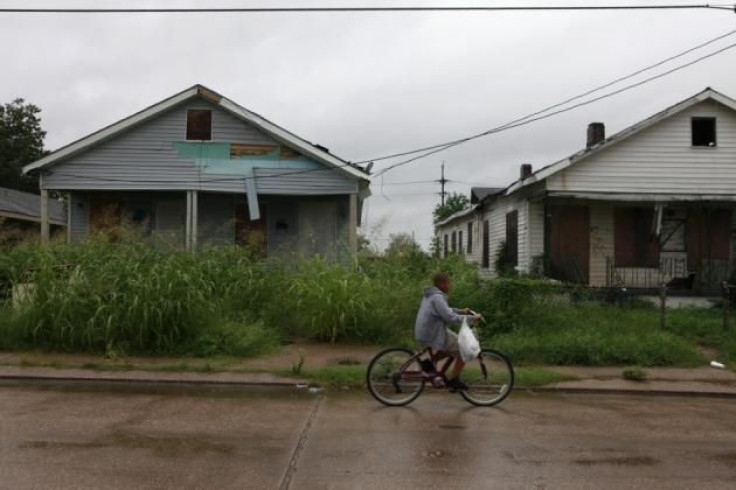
x=549, y=170
x=278, y=133
x=27, y=207
x=477, y=194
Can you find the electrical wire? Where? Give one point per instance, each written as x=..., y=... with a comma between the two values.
x=555, y=113
x=257, y=10
x=571, y=99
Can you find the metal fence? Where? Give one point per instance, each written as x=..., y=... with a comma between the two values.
x=674, y=272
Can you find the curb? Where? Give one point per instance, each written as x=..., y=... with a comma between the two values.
x=36, y=379
x=623, y=391
x=203, y=383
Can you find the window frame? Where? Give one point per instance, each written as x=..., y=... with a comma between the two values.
x=698, y=119
x=191, y=134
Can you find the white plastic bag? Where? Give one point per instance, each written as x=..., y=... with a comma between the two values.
x=469, y=345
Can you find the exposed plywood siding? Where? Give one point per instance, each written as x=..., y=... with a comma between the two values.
x=145, y=158
x=601, y=241
x=660, y=159
x=79, y=217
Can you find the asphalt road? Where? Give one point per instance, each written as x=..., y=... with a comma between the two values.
x=100, y=437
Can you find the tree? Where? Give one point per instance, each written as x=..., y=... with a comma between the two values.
x=402, y=244
x=454, y=203
x=21, y=143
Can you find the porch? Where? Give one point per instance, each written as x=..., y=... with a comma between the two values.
x=319, y=225
x=637, y=244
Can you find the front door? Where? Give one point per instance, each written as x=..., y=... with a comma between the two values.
x=569, y=243
x=251, y=233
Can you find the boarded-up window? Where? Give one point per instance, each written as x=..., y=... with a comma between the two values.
x=512, y=239
x=634, y=243
x=447, y=246
x=470, y=238
x=485, y=259
x=704, y=131
x=708, y=235
x=454, y=242
x=460, y=242
x=199, y=125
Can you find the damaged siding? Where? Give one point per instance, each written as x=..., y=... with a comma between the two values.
x=661, y=160
x=156, y=156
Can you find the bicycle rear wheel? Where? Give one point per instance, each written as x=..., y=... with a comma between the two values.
x=395, y=377
x=490, y=379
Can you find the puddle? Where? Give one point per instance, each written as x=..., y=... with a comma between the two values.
x=618, y=461
x=728, y=459
x=162, y=445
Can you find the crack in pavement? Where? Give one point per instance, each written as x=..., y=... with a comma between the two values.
x=301, y=442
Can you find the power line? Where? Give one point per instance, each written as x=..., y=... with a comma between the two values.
x=525, y=121
x=571, y=99
x=257, y=10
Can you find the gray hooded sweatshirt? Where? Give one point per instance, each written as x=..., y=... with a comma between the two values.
x=434, y=314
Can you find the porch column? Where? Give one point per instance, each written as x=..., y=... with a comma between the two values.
x=45, y=229
x=69, y=209
x=195, y=218
x=353, y=223
x=188, y=222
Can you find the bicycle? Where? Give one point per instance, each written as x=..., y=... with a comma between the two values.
x=397, y=376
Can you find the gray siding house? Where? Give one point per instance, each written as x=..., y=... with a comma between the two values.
x=198, y=169
x=654, y=203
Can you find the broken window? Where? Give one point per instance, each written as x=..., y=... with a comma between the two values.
x=199, y=125
x=470, y=238
x=634, y=241
x=512, y=239
x=704, y=131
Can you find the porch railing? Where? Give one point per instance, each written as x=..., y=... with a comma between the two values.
x=675, y=272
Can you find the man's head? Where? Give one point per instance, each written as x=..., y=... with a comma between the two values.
x=442, y=282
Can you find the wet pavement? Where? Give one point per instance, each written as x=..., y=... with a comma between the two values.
x=129, y=437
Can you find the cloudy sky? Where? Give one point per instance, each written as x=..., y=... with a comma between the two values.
x=369, y=84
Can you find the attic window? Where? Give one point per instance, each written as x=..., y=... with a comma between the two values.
x=199, y=125
x=704, y=131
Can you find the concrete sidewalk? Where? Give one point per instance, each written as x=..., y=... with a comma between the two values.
x=269, y=370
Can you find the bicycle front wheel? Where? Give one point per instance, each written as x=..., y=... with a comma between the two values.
x=490, y=379
x=395, y=377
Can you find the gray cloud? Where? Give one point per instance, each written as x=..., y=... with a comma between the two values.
x=367, y=84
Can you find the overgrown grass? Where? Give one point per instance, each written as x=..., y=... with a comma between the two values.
x=127, y=298
x=591, y=334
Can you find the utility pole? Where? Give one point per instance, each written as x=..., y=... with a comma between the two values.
x=443, y=181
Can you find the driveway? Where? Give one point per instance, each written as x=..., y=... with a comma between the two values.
x=100, y=437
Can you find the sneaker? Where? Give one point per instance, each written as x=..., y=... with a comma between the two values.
x=456, y=385
x=427, y=366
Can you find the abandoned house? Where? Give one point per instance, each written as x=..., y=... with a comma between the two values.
x=198, y=169
x=649, y=205
x=21, y=212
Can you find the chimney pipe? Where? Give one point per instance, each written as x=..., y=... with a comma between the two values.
x=596, y=134
x=526, y=170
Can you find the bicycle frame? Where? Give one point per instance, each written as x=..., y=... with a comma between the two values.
x=407, y=373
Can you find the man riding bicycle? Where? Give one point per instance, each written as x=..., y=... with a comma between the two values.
x=431, y=327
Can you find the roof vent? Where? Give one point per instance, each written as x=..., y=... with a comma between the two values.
x=526, y=170
x=596, y=133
